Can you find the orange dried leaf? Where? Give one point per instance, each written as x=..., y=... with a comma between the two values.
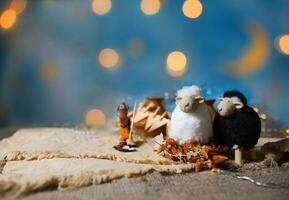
x=160, y=149
x=219, y=159
x=188, y=147
x=180, y=149
x=174, y=150
x=204, y=153
x=171, y=141
x=204, y=156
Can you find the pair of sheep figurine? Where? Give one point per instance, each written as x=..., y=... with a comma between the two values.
x=236, y=125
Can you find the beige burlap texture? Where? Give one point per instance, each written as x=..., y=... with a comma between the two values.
x=64, y=158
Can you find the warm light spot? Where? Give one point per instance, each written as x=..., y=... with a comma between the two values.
x=150, y=7
x=192, y=8
x=95, y=118
x=49, y=71
x=287, y=131
x=101, y=7
x=8, y=19
x=108, y=58
x=284, y=44
x=256, y=109
x=18, y=5
x=176, y=63
x=263, y=116
x=175, y=73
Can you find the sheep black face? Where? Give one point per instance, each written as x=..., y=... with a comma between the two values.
x=188, y=103
x=228, y=105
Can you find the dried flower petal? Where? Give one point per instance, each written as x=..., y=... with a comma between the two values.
x=217, y=159
x=171, y=141
x=204, y=156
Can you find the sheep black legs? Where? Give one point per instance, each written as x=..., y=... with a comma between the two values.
x=253, y=155
x=238, y=156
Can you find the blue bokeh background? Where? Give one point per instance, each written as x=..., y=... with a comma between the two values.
x=68, y=35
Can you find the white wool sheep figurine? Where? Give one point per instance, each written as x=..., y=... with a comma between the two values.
x=191, y=120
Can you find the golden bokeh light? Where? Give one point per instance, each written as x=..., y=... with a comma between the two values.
x=175, y=73
x=256, y=109
x=176, y=63
x=18, y=6
x=8, y=19
x=263, y=116
x=287, y=131
x=101, y=7
x=95, y=118
x=108, y=58
x=192, y=8
x=150, y=7
x=284, y=44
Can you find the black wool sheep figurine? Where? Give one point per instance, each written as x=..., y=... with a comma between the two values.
x=236, y=124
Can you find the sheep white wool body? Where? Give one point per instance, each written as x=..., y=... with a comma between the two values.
x=192, y=126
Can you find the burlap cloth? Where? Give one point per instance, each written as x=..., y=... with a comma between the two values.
x=65, y=158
